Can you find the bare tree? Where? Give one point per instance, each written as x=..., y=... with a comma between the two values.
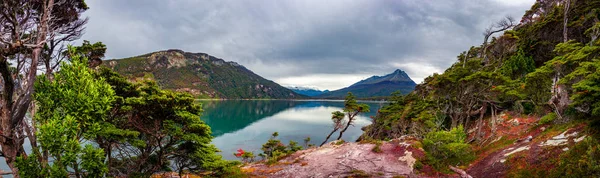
x=507, y=23
x=338, y=122
x=352, y=109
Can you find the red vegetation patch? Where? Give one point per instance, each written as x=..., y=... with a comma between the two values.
x=515, y=132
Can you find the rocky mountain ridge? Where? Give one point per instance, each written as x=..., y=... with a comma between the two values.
x=199, y=74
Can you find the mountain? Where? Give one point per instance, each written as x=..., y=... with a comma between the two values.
x=199, y=74
x=376, y=86
x=307, y=91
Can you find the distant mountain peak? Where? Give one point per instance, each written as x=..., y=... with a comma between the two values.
x=396, y=76
x=308, y=91
x=377, y=86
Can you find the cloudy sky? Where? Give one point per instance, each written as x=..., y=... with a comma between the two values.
x=324, y=44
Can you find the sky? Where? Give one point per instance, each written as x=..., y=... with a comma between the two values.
x=310, y=43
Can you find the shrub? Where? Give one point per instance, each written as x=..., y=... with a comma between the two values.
x=377, y=148
x=582, y=160
x=444, y=148
x=245, y=156
x=274, y=150
x=547, y=118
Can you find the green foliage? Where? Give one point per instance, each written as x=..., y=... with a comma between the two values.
x=581, y=64
x=587, y=90
x=444, y=148
x=518, y=65
x=377, y=147
x=547, y=118
x=306, y=142
x=208, y=76
x=245, y=156
x=72, y=107
x=352, y=109
x=170, y=136
x=293, y=146
x=351, y=106
x=92, y=52
x=582, y=160
x=523, y=64
x=92, y=161
x=274, y=150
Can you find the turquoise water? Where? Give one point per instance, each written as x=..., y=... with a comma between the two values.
x=247, y=124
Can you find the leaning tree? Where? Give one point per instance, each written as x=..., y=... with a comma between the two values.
x=27, y=28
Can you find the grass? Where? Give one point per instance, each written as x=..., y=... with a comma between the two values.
x=377, y=147
x=495, y=146
x=358, y=174
x=547, y=118
x=556, y=129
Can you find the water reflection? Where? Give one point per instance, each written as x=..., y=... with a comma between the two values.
x=249, y=124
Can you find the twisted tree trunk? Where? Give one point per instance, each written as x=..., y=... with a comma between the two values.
x=350, y=120
x=333, y=131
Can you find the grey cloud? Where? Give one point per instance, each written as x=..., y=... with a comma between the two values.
x=300, y=37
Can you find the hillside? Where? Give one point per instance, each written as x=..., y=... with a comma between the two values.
x=307, y=91
x=519, y=142
x=199, y=74
x=522, y=104
x=525, y=103
x=376, y=86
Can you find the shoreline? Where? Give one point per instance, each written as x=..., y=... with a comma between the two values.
x=329, y=100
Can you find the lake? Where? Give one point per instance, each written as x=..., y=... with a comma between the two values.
x=247, y=124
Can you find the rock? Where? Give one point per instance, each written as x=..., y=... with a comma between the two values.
x=579, y=139
x=462, y=173
x=410, y=161
x=560, y=139
x=515, y=122
x=516, y=150
x=342, y=160
x=529, y=138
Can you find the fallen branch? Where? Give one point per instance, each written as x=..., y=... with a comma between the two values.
x=462, y=173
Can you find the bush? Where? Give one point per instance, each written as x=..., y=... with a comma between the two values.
x=444, y=148
x=547, y=118
x=377, y=147
x=275, y=150
x=582, y=160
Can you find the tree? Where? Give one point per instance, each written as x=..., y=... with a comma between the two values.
x=93, y=52
x=72, y=107
x=25, y=27
x=352, y=109
x=567, y=4
x=170, y=136
x=338, y=122
x=447, y=148
x=504, y=24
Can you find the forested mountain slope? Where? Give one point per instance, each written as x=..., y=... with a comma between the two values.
x=200, y=74
x=544, y=69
